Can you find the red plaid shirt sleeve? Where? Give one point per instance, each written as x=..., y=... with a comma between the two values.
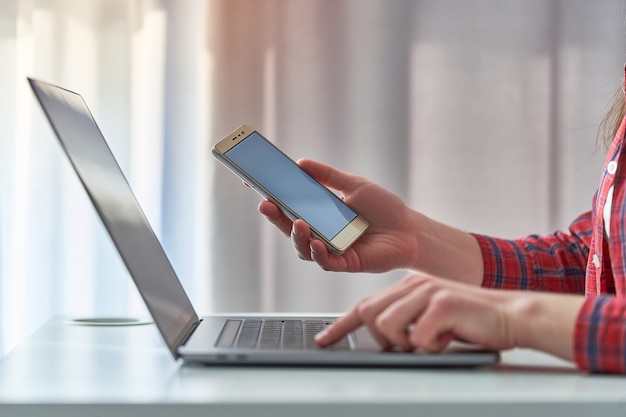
x=599, y=334
x=550, y=263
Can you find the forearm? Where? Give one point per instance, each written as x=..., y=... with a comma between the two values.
x=545, y=322
x=447, y=252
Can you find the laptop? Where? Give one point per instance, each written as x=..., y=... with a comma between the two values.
x=217, y=339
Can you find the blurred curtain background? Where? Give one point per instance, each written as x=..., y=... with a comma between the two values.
x=480, y=113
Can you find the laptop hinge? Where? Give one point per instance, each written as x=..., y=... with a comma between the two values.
x=187, y=335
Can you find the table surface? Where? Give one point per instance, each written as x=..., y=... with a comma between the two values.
x=67, y=369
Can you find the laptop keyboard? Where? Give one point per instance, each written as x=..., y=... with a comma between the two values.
x=264, y=334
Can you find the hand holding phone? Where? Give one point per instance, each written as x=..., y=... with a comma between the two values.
x=276, y=177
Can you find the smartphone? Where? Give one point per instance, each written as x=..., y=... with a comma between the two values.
x=276, y=177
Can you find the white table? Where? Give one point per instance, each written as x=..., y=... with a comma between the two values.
x=69, y=370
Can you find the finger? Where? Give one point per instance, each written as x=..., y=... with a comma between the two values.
x=339, y=329
x=366, y=312
x=435, y=328
x=275, y=216
x=395, y=321
x=330, y=176
x=330, y=261
x=378, y=307
x=319, y=253
x=301, y=238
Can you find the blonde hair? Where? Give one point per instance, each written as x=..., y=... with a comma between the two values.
x=612, y=119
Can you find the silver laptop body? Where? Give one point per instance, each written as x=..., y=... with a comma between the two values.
x=221, y=340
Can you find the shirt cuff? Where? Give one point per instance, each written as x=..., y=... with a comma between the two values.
x=489, y=260
x=599, y=342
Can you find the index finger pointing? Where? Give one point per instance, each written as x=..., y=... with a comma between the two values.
x=339, y=329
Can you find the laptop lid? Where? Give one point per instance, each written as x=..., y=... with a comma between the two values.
x=113, y=199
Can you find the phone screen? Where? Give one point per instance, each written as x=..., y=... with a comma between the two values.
x=287, y=182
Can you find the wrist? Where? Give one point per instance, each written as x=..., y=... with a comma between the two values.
x=522, y=312
x=544, y=321
x=447, y=252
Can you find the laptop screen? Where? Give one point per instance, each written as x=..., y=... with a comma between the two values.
x=119, y=210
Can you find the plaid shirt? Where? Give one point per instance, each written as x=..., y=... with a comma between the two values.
x=581, y=261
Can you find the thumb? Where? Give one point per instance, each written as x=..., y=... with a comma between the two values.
x=330, y=176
